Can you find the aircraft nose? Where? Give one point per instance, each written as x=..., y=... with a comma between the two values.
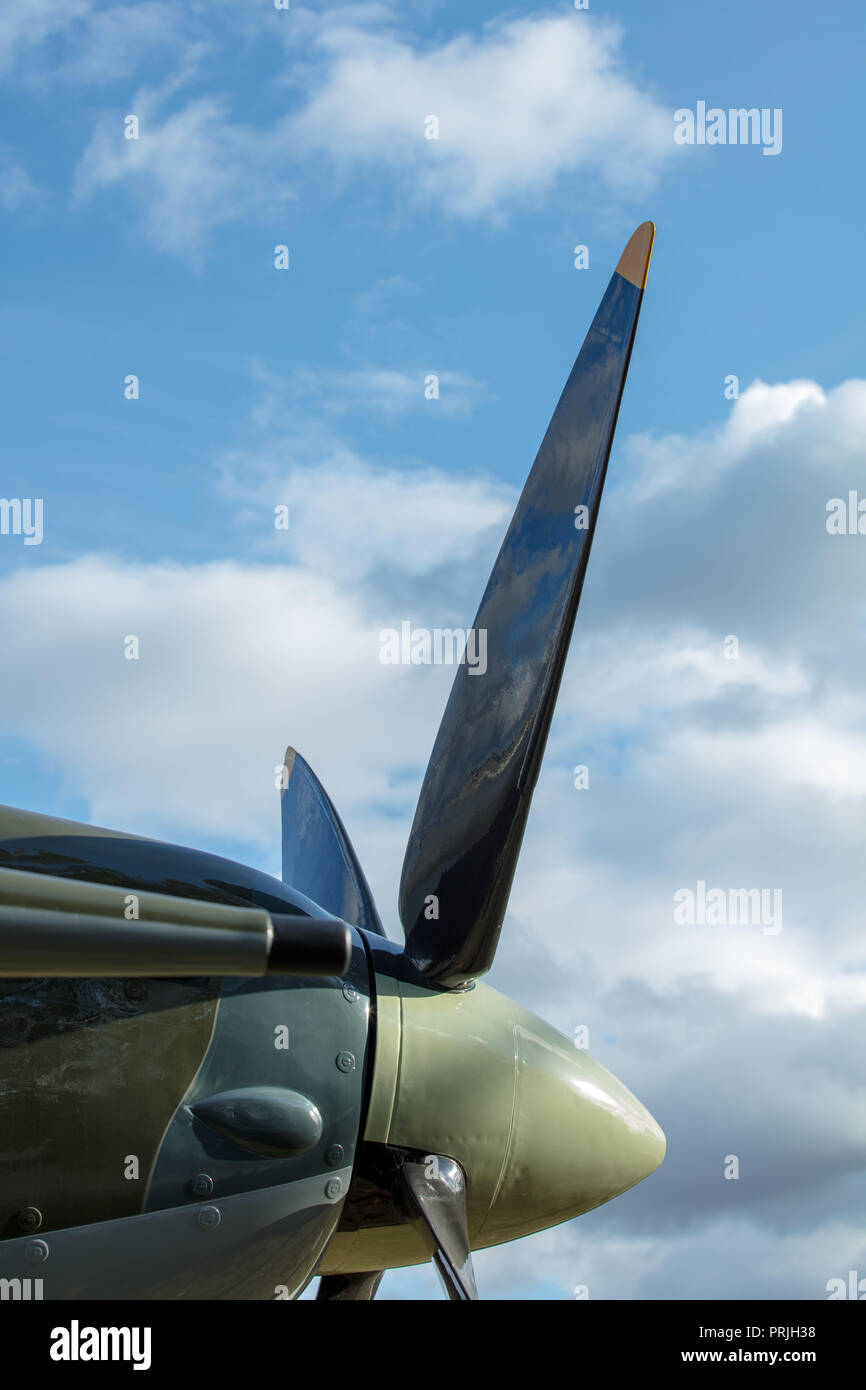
x=578, y=1138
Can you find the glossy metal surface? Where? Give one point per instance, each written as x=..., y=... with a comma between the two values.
x=90, y=854
x=346, y=1288
x=60, y=927
x=270, y=1121
x=578, y=1137
x=64, y=928
x=98, y=1083
x=318, y=858
x=540, y=1129
x=91, y=1072
x=419, y=1198
x=35, y=942
x=310, y=1037
x=260, y=1245
x=475, y=798
x=434, y=1190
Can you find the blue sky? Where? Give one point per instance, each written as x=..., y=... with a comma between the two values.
x=748, y=274
x=258, y=386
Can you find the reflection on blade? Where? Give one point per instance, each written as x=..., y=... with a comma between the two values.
x=434, y=1193
x=471, y=814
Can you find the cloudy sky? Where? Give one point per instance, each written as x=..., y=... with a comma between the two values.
x=738, y=764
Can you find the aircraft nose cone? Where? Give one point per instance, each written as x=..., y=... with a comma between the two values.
x=578, y=1138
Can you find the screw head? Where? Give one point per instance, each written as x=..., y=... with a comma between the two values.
x=333, y=1188
x=30, y=1218
x=36, y=1251
x=201, y=1185
x=351, y=994
x=209, y=1218
x=345, y=1061
x=334, y=1155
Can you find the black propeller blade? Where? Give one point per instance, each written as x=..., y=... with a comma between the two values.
x=472, y=810
x=318, y=858
x=344, y=1288
x=433, y=1191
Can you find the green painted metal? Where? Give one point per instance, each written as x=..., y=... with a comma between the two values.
x=61, y=927
x=306, y=1035
x=16, y=824
x=91, y=1072
x=64, y=927
x=541, y=1129
x=255, y=1245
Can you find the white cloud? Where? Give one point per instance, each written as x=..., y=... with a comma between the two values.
x=190, y=170
x=235, y=663
x=760, y=415
x=353, y=522
x=388, y=391
x=27, y=23
x=382, y=293
x=16, y=187
x=520, y=105
x=120, y=38
x=80, y=41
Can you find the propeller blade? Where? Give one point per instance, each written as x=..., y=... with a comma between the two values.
x=318, y=858
x=340, y=1288
x=434, y=1195
x=472, y=810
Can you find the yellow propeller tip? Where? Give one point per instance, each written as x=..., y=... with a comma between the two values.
x=633, y=264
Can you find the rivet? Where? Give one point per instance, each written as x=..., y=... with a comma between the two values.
x=333, y=1188
x=36, y=1251
x=135, y=989
x=30, y=1218
x=208, y=1218
x=334, y=1155
x=201, y=1185
x=351, y=994
x=345, y=1061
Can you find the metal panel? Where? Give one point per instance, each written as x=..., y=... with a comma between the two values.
x=305, y=1035
x=256, y=1245
x=95, y=1072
